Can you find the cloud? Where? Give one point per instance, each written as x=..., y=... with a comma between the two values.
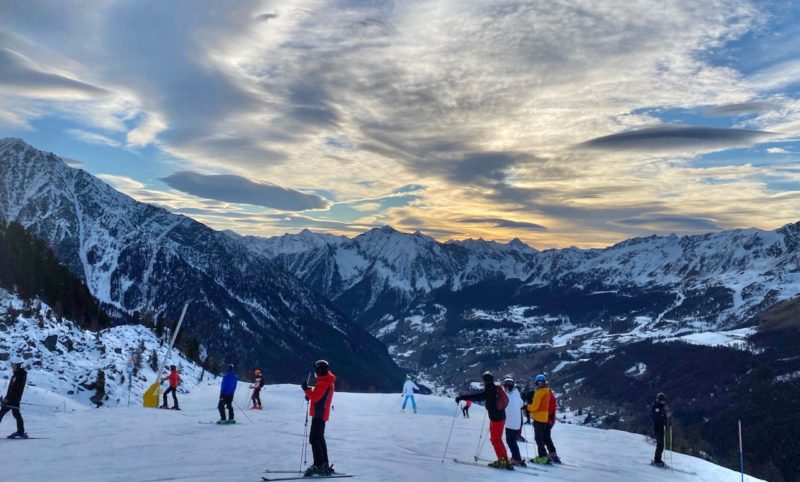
x=22, y=76
x=237, y=189
x=676, y=138
x=93, y=138
x=145, y=133
x=667, y=222
x=122, y=183
x=777, y=150
x=266, y=17
x=743, y=108
x=504, y=223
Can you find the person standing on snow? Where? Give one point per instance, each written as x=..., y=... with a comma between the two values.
x=408, y=392
x=662, y=416
x=540, y=412
x=226, y=392
x=513, y=420
x=258, y=383
x=174, y=380
x=496, y=402
x=551, y=421
x=465, y=408
x=320, y=397
x=14, y=396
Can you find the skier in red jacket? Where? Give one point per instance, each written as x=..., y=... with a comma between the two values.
x=174, y=380
x=320, y=397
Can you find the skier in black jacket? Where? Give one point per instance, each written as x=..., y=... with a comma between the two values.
x=662, y=416
x=14, y=395
x=497, y=416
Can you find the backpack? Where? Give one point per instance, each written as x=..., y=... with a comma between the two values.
x=502, y=398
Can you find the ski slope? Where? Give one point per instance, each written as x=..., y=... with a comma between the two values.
x=368, y=435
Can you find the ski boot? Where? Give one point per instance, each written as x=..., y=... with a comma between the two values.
x=541, y=460
x=221, y=421
x=555, y=458
x=518, y=463
x=658, y=464
x=230, y=421
x=22, y=435
x=164, y=405
x=175, y=408
x=314, y=470
x=501, y=464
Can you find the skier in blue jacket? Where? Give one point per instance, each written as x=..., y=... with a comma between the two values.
x=226, y=392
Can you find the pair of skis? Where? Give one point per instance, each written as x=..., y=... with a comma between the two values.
x=481, y=464
x=673, y=469
x=298, y=475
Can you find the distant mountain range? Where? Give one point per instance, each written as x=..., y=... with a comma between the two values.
x=493, y=305
x=137, y=259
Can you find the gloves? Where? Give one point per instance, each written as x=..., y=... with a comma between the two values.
x=308, y=399
x=304, y=385
x=458, y=399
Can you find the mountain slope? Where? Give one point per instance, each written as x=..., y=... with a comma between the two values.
x=139, y=258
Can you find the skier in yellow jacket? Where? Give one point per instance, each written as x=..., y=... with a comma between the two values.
x=540, y=412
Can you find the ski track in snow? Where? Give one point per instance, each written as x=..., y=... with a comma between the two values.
x=368, y=435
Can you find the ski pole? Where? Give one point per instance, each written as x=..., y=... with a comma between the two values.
x=451, y=433
x=244, y=412
x=671, y=453
x=303, y=447
x=480, y=436
x=741, y=451
x=527, y=451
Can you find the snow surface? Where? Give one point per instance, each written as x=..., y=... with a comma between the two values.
x=368, y=435
x=731, y=338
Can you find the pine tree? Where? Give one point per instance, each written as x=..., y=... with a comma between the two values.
x=153, y=359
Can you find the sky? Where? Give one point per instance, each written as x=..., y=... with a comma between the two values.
x=562, y=123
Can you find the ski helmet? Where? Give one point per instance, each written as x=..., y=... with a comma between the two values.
x=173, y=367
x=230, y=367
x=661, y=397
x=508, y=382
x=540, y=378
x=408, y=377
x=16, y=360
x=488, y=377
x=321, y=367
x=258, y=372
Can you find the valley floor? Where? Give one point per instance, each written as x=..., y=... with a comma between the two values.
x=368, y=435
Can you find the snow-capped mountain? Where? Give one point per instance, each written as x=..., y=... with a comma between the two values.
x=433, y=302
x=384, y=271
x=139, y=258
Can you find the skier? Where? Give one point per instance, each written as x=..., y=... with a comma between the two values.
x=551, y=421
x=258, y=383
x=527, y=397
x=540, y=412
x=496, y=402
x=662, y=416
x=408, y=392
x=513, y=420
x=174, y=380
x=465, y=408
x=14, y=396
x=226, y=392
x=320, y=397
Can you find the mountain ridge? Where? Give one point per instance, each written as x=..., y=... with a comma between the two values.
x=139, y=258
